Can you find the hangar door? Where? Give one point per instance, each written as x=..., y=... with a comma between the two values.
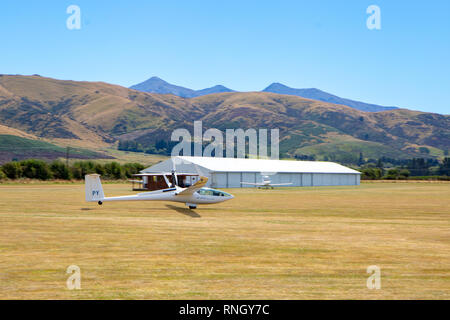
x=285, y=177
x=234, y=179
x=248, y=177
x=307, y=179
x=296, y=179
x=219, y=180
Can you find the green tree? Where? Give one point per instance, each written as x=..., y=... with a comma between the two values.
x=161, y=145
x=404, y=174
x=132, y=168
x=380, y=164
x=60, y=170
x=99, y=169
x=361, y=159
x=392, y=174
x=12, y=170
x=36, y=169
x=82, y=168
x=114, y=170
x=444, y=167
x=371, y=174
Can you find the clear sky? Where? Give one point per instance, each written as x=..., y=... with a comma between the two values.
x=244, y=45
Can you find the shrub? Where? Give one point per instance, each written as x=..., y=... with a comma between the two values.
x=36, y=169
x=444, y=168
x=404, y=174
x=12, y=170
x=82, y=168
x=132, y=168
x=113, y=170
x=371, y=174
x=392, y=174
x=60, y=170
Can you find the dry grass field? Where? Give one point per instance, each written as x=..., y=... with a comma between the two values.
x=293, y=243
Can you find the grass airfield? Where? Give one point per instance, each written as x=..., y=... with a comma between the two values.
x=291, y=243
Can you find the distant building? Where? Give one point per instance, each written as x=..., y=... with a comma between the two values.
x=230, y=172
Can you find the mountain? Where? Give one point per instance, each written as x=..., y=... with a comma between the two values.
x=95, y=115
x=157, y=85
x=320, y=95
x=215, y=89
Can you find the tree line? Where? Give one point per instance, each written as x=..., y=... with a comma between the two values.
x=159, y=147
x=416, y=168
x=42, y=170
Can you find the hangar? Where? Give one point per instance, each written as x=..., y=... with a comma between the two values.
x=230, y=172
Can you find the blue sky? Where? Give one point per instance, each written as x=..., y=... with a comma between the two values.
x=244, y=45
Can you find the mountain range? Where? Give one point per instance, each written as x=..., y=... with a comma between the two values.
x=96, y=115
x=157, y=85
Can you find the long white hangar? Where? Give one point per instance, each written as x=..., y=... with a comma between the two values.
x=230, y=172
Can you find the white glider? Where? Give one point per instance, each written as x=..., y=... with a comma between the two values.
x=191, y=196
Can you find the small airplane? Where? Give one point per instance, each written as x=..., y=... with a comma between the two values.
x=265, y=184
x=191, y=196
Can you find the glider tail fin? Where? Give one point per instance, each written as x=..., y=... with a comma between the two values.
x=93, y=187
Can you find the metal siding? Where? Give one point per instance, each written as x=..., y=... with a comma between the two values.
x=274, y=178
x=351, y=179
x=213, y=180
x=249, y=177
x=317, y=179
x=334, y=179
x=306, y=179
x=285, y=177
x=234, y=179
x=221, y=180
x=345, y=179
x=296, y=179
x=322, y=179
x=342, y=178
x=328, y=179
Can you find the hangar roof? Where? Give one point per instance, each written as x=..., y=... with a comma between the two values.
x=259, y=165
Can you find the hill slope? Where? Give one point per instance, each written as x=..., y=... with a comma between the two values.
x=94, y=114
x=19, y=148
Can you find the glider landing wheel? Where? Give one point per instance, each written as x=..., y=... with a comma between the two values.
x=192, y=207
x=100, y=203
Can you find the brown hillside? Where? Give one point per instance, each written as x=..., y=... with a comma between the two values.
x=93, y=114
